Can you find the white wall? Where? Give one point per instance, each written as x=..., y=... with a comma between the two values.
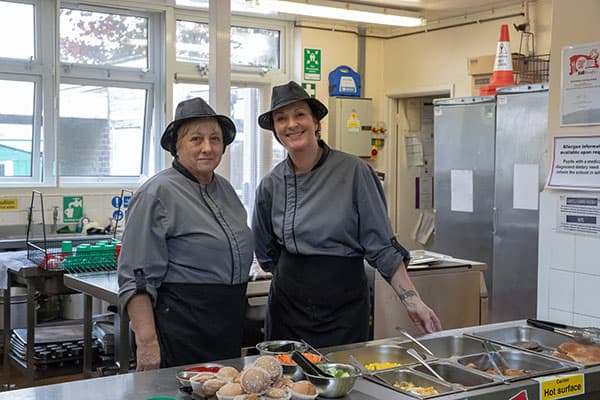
x=569, y=267
x=437, y=61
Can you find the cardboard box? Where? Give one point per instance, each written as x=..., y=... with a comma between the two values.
x=485, y=64
x=479, y=80
x=481, y=65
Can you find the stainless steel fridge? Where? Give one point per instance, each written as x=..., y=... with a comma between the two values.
x=487, y=179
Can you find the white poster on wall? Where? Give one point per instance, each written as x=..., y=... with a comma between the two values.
x=579, y=214
x=580, y=91
x=575, y=163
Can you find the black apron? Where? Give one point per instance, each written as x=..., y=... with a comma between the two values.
x=199, y=322
x=321, y=299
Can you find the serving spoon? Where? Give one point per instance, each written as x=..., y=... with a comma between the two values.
x=424, y=363
x=418, y=343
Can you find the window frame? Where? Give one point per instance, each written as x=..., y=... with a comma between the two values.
x=48, y=73
x=39, y=70
x=150, y=79
x=190, y=70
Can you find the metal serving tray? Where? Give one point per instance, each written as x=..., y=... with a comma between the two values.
x=458, y=374
x=449, y=346
x=516, y=336
x=418, y=379
x=375, y=354
x=532, y=365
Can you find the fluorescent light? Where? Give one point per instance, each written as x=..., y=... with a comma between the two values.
x=313, y=10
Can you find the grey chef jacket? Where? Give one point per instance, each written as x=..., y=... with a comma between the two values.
x=182, y=231
x=336, y=209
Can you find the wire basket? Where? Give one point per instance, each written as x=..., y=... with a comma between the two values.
x=531, y=69
x=79, y=254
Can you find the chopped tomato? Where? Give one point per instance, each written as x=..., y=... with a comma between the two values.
x=286, y=359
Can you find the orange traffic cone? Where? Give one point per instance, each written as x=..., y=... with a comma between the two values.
x=503, y=71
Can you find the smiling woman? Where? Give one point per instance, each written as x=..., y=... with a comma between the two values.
x=200, y=147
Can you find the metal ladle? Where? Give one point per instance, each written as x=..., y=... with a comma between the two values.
x=420, y=359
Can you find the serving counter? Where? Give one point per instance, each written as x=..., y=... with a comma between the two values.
x=163, y=383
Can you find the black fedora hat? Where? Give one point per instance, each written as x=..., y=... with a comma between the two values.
x=194, y=108
x=284, y=95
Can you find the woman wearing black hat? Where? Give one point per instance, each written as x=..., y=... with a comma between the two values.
x=187, y=249
x=318, y=215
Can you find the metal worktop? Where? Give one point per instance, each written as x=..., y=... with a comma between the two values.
x=144, y=385
x=104, y=286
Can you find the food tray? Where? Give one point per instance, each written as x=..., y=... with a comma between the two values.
x=460, y=375
x=529, y=364
x=418, y=379
x=521, y=336
x=382, y=353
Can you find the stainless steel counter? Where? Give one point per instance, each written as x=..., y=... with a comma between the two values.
x=104, y=286
x=149, y=384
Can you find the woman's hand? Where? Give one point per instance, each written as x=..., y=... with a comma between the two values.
x=421, y=315
x=141, y=315
x=425, y=320
x=147, y=355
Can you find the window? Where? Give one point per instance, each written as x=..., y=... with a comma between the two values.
x=245, y=161
x=250, y=46
x=16, y=23
x=17, y=127
x=107, y=92
x=98, y=118
x=254, y=47
x=24, y=73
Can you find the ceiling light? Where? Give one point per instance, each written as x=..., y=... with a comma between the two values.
x=317, y=11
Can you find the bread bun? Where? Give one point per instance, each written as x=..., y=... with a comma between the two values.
x=285, y=382
x=271, y=365
x=276, y=394
x=211, y=386
x=230, y=390
x=247, y=396
x=304, y=387
x=227, y=374
x=254, y=380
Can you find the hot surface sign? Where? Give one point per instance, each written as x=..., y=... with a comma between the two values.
x=561, y=386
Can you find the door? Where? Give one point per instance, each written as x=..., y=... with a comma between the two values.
x=522, y=121
x=464, y=179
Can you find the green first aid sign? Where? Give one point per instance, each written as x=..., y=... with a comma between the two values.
x=72, y=208
x=312, y=64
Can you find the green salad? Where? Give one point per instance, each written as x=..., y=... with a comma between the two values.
x=336, y=373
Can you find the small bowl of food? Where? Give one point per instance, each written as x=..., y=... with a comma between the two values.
x=184, y=377
x=342, y=380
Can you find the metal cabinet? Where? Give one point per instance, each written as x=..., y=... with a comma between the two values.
x=488, y=169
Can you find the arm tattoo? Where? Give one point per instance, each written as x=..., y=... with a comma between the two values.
x=405, y=294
